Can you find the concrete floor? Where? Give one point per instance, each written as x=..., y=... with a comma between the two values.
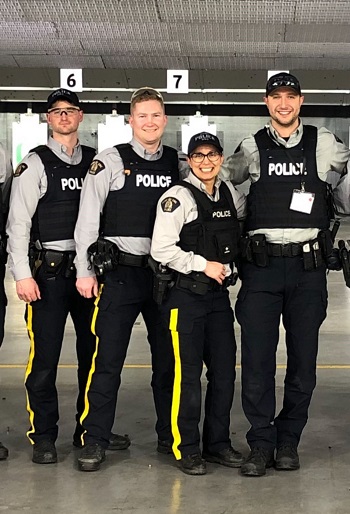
x=139, y=480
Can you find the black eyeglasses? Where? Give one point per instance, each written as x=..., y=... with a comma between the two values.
x=286, y=83
x=146, y=91
x=68, y=111
x=199, y=157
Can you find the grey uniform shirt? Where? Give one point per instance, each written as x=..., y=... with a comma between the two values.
x=93, y=197
x=331, y=154
x=168, y=225
x=5, y=177
x=27, y=189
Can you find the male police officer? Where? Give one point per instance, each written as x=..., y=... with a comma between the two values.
x=5, y=183
x=43, y=210
x=124, y=183
x=284, y=273
x=196, y=234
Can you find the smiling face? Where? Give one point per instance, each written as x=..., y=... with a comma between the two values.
x=209, y=167
x=148, y=122
x=284, y=108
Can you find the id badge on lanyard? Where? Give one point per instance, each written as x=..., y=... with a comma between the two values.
x=302, y=201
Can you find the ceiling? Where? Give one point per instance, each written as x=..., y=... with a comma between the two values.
x=129, y=43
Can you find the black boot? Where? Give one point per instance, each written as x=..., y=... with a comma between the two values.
x=91, y=457
x=44, y=452
x=193, y=464
x=228, y=457
x=4, y=453
x=257, y=462
x=287, y=458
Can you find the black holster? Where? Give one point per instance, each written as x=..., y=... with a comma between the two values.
x=163, y=280
x=330, y=254
x=103, y=256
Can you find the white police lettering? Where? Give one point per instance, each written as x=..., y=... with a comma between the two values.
x=71, y=183
x=152, y=180
x=221, y=214
x=286, y=168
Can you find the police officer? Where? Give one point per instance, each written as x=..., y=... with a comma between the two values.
x=284, y=270
x=124, y=183
x=43, y=210
x=5, y=183
x=196, y=234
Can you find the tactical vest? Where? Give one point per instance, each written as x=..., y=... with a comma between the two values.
x=281, y=171
x=215, y=233
x=57, y=210
x=131, y=211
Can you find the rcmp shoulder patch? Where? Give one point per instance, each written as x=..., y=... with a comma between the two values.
x=96, y=166
x=20, y=169
x=169, y=204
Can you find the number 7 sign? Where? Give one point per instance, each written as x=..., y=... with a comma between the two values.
x=177, y=81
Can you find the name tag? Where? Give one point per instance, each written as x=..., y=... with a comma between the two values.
x=302, y=201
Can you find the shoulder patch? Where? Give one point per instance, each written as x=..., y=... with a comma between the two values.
x=20, y=169
x=169, y=204
x=96, y=166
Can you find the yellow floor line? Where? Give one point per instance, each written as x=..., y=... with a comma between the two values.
x=148, y=366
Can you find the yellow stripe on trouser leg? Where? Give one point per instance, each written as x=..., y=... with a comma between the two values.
x=175, y=406
x=92, y=369
x=29, y=368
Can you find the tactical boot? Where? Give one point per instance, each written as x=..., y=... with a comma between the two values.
x=287, y=458
x=4, y=453
x=165, y=447
x=91, y=457
x=193, y=465
x=257, y=462
x=228, y=457
x=44, y=452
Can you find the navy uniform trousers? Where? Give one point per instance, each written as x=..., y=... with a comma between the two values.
x=201, y=328
x=46, y=319
x=126, y=293
x=283, y=289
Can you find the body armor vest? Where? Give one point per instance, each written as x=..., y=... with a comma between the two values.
x=57, y=210
x=131, y=211
x=281, y=171
x=214, y=234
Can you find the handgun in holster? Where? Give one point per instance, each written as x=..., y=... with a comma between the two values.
x=345, y=260
x=163, y=280
x=330, y=254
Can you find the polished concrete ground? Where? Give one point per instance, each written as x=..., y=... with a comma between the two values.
x=139, y=480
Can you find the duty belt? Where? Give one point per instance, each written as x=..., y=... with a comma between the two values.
x=128, y=259
x=284, y=250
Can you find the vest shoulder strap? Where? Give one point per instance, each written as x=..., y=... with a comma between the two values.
x=88, y=151
x=203, y=201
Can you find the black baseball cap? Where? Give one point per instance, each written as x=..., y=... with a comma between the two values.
x=282, y=80
x=203, y=138
x=63, y=94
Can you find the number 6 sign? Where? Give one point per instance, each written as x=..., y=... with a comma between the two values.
x=71, y=79
x=177, y=81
